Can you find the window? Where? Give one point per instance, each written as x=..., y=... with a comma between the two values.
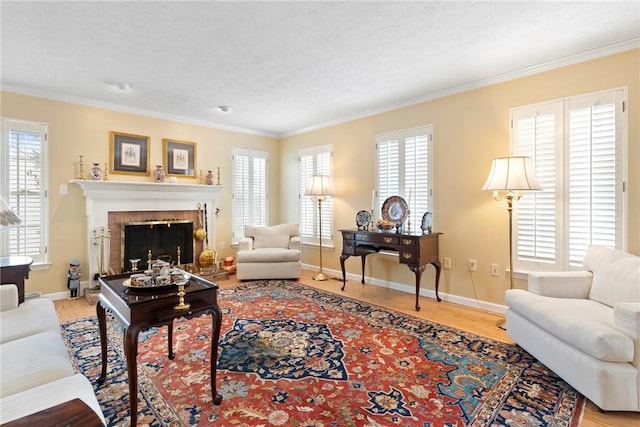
x=315, y=161
x=23, y=183
x=250, y=190
x=577, y=145
x=404, y=168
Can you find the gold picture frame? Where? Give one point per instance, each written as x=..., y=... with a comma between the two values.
x=179, y=157
x=129, y=153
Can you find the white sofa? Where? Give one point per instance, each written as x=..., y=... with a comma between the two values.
x=36, y=372
x=585, y=326
x=269, y=252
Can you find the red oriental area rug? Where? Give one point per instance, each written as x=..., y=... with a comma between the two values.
x=291, y=355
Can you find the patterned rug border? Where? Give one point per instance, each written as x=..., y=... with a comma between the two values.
x=510, y=356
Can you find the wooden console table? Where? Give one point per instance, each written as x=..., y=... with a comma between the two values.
x=416, y=250
x=15, y=269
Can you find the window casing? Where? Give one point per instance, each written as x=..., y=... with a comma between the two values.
x=250, y=185
x=24, y=185
x=405, y=168
x=577, y=145
x=315, y=161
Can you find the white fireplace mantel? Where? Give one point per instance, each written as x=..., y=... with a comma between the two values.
x=102, y=197
x=98, y=190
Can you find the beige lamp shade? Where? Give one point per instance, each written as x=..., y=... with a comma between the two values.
x=8, y=219
x=516, y=173
x=319, y=185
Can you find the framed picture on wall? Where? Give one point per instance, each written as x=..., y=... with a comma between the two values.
x=179, y=157
x=129, y=153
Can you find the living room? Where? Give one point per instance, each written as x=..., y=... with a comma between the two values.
x=470, y=128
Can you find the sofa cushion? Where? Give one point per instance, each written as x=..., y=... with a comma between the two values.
x=267, y=255
x=582, y=323
x=616, y=275
x=32, y=361
x=8, y=297
x=31, y=317
x=275, y=236
x=47, y=395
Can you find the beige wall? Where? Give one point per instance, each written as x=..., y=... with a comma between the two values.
x=79, y=130
x=470, y=129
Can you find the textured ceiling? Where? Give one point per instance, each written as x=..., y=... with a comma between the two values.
x=285, y=67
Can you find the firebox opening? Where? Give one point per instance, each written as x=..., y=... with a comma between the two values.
x=162, y=238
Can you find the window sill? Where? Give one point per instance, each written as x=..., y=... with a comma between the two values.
x=316, y=245
x=40, y=266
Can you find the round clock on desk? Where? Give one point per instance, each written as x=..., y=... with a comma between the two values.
x=363, y=218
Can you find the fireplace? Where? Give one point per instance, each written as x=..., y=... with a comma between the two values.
x=151, y=231
x=109, y=204
x=160, y=239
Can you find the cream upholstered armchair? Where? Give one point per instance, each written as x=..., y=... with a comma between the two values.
x=269, y=252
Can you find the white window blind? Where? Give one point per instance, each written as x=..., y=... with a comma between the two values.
x=250, y=190
x=24, y=186
x=315, y=161
x=404, y=165
x=577, y=145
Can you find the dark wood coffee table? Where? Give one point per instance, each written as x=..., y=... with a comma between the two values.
x=139, y=310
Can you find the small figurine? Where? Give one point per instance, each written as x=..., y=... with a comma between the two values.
x=73, y=277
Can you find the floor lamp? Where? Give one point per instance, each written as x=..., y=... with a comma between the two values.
x=320, y=186
x=511, y=175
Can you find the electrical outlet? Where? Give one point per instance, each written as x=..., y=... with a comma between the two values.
x=222, y=245
x=473, y=265
x=447, y=263
x=494, y=269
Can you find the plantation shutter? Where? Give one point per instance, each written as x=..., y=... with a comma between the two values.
x=25, y=188
x=307, y=204
x=404, y=167
x=593, y=175
x=418, y=176
x=250, y=191
x=536, y=134
x=315, y=161
x=577, y=146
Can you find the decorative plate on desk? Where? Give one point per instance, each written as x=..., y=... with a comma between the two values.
x=427, y=221
x=363, y=219
x=395, y=210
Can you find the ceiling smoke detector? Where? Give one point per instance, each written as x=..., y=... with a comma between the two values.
x=224, y=108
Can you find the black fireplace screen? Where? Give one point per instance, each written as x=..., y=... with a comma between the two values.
x=162, y=238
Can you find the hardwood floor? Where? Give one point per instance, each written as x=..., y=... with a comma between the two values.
x=470, y=319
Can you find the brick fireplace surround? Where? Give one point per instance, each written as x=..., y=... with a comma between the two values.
x=110, y=203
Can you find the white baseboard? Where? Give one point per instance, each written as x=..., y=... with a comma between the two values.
x=66, y=294
x=410, y=289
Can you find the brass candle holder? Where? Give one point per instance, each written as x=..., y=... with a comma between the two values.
x=81, y=168
x=181, y=304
